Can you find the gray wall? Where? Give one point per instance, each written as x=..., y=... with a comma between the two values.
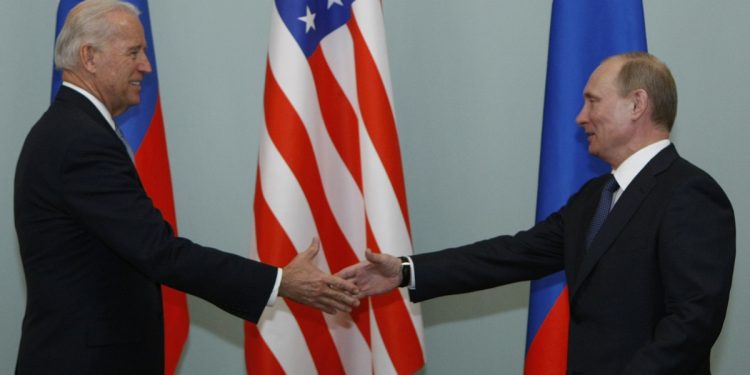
x=468, y=79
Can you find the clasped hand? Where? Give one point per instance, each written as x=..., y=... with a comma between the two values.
x=303, y=282
x=306, y=284
x=378, y=274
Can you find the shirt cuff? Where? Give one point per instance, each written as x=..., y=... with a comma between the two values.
x=275, y=291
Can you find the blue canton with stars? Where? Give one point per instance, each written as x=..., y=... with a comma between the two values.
x=310, y=21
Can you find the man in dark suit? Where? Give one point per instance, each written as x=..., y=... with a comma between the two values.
x=94, y=249
x=649, y=279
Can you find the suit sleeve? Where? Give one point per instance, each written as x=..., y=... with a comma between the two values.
x=101, y=189
x=696, y=255
x=486, y=264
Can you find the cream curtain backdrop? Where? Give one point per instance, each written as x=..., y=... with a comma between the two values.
x=468, y=86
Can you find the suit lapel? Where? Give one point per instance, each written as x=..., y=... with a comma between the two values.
x=621, y=213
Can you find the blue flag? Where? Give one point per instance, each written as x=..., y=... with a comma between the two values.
x=582, y=34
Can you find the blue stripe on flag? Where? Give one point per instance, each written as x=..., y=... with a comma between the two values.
x=136, y=120
x=582, y=34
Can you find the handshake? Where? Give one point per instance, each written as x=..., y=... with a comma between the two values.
x=303, y=282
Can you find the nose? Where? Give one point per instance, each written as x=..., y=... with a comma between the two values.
x=145, y=65
x=582, y=117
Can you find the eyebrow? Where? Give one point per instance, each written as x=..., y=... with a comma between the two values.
x=590, y=95
x=136, y=47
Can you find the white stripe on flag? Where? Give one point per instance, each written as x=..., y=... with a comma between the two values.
x=279, y=330
x=339, y=52
x=351, y=345
x=386, y=218
x=283, y=195
x=382, y=364
x=369, y=15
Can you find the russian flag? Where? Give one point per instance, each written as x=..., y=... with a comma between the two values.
x=143, y=128
x=582, y=34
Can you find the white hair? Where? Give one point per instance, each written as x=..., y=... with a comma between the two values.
x=86, y=23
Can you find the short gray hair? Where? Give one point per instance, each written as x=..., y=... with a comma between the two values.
x=86, y=23
x=642, y=70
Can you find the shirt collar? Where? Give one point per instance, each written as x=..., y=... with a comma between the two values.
x=96, y=102
x=626, y=172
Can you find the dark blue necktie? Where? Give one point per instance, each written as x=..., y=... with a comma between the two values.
x=602, y=210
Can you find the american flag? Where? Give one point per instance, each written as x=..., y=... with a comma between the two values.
x=329, y=166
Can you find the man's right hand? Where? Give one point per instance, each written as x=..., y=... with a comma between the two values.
x=302, y=282
x=379, y=274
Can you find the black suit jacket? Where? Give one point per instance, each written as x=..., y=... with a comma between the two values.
x=648, y=297
x=95, y=251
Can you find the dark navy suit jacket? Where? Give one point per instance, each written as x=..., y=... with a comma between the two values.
x=95, y=252
x=648, y=297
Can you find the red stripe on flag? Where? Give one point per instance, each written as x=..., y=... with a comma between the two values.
x=547, y=354
x=318, y=339
x=259, y=358
x=152, y=163
x=361, y=317
x=338, y=115
x=343, y=128
x=377, y=116
x=176, y=326
x=290, y=137
x=275, y=247
x=398, y=333
x=395, y=325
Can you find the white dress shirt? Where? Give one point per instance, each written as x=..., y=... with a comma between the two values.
x=626, y=172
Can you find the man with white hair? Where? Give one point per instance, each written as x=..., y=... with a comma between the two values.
x=94, y=249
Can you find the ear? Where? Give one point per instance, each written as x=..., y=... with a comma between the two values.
x=87, y=53
x=640, y=103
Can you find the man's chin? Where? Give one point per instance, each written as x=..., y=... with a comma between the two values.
x=134, y=95
x=592, y=150
x=134, y=101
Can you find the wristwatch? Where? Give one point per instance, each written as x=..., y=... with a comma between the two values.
x=405, y=272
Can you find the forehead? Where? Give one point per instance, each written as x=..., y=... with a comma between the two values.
x=128, y=27
x=603, y=78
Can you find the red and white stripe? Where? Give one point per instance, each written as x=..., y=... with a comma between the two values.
x=330, y=167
